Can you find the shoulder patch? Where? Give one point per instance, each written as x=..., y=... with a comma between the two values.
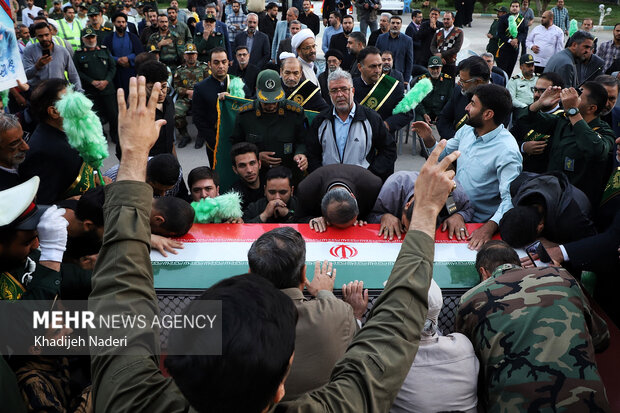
x=292, y=106
x=516, y=77
x=421, y=77
x=447, y=76
x=247, y=107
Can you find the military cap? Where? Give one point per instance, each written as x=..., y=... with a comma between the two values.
x=139, y=4
x=209, y=17
x=435, y=61
x=269, y=86
x=153, y=49
x=526, y=59
x=87, y=32
x=17, y=208
x=502, y=9
x=93, y=10
x=190, y=48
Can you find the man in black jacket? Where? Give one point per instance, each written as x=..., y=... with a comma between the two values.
x=425, y=36
x=279, y=203
x=548, y=206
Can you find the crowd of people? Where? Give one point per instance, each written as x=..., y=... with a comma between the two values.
x=538, y=164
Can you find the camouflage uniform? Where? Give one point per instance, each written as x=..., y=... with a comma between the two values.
x=185, y=78
x=534, y=334
x=171, y=55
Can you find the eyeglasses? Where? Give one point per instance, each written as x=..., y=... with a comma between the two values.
x=466, y=82
x=337, y=91
x=307, y=48
x=17, y=144
x=540, y=90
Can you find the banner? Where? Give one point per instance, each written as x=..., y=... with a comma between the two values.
x=227, y=113
x=213, y=252
x=11, y=67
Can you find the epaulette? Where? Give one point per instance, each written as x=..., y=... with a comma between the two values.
x=446, y=76
x=105, y=28
x=421, y=77
x=516, y=77
x=179, y=67
x=292, y=106
x=247, y=107
x=103, y=47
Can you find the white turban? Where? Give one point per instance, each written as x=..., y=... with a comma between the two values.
x=299, y=38
x=435, y=302
x=286, y=55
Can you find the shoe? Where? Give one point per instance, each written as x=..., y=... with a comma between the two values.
x=185, y=140
x=468, y=24
x=198, y=144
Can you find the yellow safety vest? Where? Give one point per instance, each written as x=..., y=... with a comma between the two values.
x=69, y=34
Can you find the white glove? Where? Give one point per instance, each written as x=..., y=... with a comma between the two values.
x=52, y=229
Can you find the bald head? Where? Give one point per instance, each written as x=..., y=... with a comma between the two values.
x=547, y=18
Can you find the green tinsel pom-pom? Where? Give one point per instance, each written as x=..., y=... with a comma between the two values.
x=413, y=98
x=218, y=209
x=235, y=88
x=83, y=127
x=572, y=28
x=512, y=26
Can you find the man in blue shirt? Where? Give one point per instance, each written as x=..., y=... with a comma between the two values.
x=335, y=27
x=489, y=161
x=401, y=47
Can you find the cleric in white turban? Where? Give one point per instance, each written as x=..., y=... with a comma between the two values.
x=304, y=46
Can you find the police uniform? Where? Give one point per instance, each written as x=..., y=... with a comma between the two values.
x=520, y=88
x=103, y=31
x=185, y=78
x=171, y=55
x=282, y=132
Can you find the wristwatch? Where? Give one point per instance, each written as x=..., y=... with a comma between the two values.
x=572, y=111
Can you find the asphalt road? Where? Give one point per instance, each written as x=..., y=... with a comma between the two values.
x=475, y=41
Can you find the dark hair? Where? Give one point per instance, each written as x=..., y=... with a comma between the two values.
x=7, y=236
x=358, y=36
x=497, y=98
x=240, y=149
x=162, y=15
x=554, y=78
x=271, y=5
x=476, y=66
x=77, y=247
x=258, y=339
x=163, y=169
x=119, y=14
x=241, y=48
x=236, y=1
x=598, y=95
x=348, y=16
x=218, y=49
x=361, y=56
x=279, y=172
x=387, y=51
x=142, y=58
x=515, y=2
x=450, y=13
x=396, y=17
x=46, y=95
x=409, y=211
x=64, y=10
x=336, y=14
x=279, y=255
x=153, y=71
x=90, y=206
x=178, y=215
x=495, y=253
x=579, y=37
x=434, y=9
x=202, y=172
x=416, y=12
x=606, y=80
x=38, y=26
x=518, y=226
x=347, y=206
x=172, y=8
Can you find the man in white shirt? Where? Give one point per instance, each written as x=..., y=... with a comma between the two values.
x=544, y=41
x=29, y=13
x=305, y=47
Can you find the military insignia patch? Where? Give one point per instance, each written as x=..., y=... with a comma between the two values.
x=372, y=103
x=270, y=84
x=288, y=148
x=298, y=99
x=569, y=164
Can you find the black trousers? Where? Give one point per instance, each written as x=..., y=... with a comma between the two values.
x=507, y=58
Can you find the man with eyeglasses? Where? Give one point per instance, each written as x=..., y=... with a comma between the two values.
x=520, y=86
x=350, y=133
x=304, y=46
x=533, y=145
x=473, y=72
x=13, y=147
x=242, y=68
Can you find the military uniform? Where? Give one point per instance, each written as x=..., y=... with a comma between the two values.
x=57, y=15
x=535, y=336
x=171, y=55
x=93, y=65
x=101, y=33
x=492, y=45
x=185, y=78
x=282, y=132
x=204, y=46
x=434, y=102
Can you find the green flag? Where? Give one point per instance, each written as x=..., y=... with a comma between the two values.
x=226, y=113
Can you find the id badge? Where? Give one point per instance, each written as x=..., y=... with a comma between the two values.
x=288, y=148
x=569, y=164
